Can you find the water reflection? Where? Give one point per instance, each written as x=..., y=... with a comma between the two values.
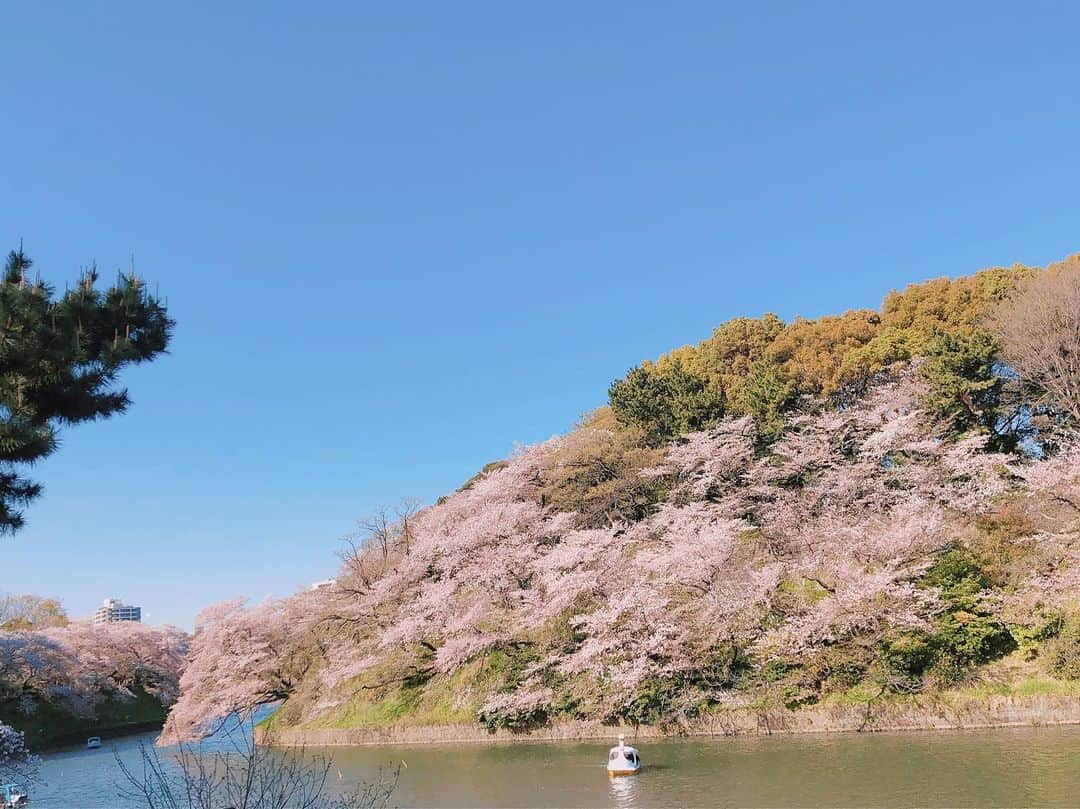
x=623, y=790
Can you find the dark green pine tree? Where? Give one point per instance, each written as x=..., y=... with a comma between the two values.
x=59, y=363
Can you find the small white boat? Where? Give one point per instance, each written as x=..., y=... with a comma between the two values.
x=13, y=796
x=623, y=760
x=93, y=743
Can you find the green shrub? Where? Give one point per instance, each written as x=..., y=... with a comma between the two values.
x=965, y=389
x=664, y=402
x=905, y=659
x=518, y=720
x=959, y=576
x=965, y=639
x=653, y=704
x=1039, y=627
x=766, y=394
x=966, y=634
x=662, y=699
x=1063, y=651
x=774, y=670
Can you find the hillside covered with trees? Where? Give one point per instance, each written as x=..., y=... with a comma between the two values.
x=861, y=506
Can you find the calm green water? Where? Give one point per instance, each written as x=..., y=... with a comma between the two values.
x=1024, y=767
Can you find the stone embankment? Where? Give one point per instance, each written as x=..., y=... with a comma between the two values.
x=874, y=716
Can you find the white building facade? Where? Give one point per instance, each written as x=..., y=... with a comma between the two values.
x=115, y=610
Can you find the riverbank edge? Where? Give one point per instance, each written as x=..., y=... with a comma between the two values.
x=919, y=714
x=62, y=742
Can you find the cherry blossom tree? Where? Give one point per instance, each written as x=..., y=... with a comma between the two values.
x=817, y=542
x=81, y=664
x=240, y=659
x=17, y=764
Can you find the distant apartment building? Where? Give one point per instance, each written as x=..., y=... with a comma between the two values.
x=115, y=610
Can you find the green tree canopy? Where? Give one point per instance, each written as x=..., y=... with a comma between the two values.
x=60, y=359
x=965, y=388
x=766, y=368
x=766, y=394
x=665, y=402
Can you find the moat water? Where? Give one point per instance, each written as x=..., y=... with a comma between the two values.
x=985, y=768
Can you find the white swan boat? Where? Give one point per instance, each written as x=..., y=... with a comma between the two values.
x=622, y=759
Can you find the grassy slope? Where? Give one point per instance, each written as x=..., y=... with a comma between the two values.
x=443, y=701
x=1010, y=677
x=456, y=700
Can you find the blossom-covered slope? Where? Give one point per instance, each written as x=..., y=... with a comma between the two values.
x=856, y=550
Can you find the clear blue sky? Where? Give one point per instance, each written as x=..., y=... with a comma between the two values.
x=400, y=237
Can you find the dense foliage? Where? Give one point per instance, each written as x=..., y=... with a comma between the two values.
x=22, y=612
x=16, y=762
x=60, y=359
x=780, y=515
x=78, y=669
x=766, y=368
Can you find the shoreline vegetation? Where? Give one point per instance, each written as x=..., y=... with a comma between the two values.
x=1012, y=692
x=929, y=712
